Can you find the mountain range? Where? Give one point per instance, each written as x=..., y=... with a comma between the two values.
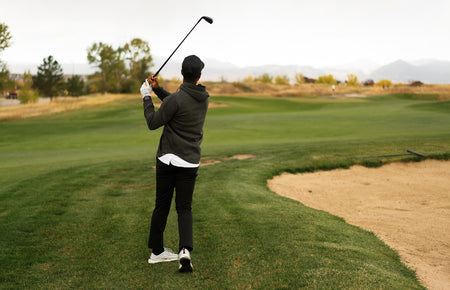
x=431, y=71
x=426, y=71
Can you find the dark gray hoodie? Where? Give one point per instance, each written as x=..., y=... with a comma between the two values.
x=182, y=114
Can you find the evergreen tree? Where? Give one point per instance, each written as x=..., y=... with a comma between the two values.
x=75, y=86
x=49, y=78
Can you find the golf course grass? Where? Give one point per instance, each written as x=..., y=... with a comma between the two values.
x=77, y=192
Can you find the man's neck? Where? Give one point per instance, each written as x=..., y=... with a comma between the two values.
x=190, y=82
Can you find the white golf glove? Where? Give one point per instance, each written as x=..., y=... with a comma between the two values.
x=146, y=89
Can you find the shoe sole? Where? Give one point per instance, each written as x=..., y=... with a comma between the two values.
x=186, y=265
x=161, y=261
x=150, y=261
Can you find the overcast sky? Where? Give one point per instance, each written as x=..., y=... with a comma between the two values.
x=245, y=32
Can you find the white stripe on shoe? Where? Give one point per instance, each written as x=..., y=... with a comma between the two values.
x=167, y=256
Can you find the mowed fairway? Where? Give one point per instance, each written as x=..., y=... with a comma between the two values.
x=77, y=192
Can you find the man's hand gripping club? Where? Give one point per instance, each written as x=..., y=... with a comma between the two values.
x=146, y=88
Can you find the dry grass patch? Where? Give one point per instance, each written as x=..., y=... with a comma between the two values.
x=63, y=104
x=58, y=105
x=318, y=90
x=306, y=90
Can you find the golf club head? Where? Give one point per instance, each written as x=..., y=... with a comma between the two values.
x=208, y=19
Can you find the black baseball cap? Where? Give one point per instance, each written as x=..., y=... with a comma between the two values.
x=192, y=67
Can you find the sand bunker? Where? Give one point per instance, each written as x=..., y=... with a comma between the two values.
x=407, y=205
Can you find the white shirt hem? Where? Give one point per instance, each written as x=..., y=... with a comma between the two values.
x=173, y=159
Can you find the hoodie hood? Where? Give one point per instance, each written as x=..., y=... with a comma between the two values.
x=198, y=92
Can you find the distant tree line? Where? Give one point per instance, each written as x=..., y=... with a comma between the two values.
x=299, y=78
x=119, y=70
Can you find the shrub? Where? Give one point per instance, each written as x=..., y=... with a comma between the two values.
x=27, y=94
x=416, y=84
x=384, y=83
x=249, y=79
x=327, y=79
x=352, y=80
x=282, y=80
x=265, y=79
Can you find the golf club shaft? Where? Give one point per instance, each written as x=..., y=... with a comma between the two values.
x=157, y=72
x=409, y=152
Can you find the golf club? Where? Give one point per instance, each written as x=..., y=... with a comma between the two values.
x=409, y=152
x=206, y=18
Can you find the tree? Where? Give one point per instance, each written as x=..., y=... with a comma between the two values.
x=49, y=78
x=139, y=60
x=352, y=80
x=111, y=63
x=249, y=79
x=299, y=79
x=282, y=80
x=138, y=53
x=384, y=83
x=75, y=86
x=368, y=83
x=5, y=82
x=327, y=79
x=265, y=79
x=27, y=94
x=5, y=37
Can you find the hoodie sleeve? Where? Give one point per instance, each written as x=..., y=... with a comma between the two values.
x=162, y=116
x=161, y=93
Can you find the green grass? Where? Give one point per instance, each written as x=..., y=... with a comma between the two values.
x=77, y=192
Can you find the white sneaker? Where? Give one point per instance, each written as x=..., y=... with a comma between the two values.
x=185, y=264
x=167, y=256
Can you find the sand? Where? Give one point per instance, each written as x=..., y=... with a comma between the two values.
x=406, y=205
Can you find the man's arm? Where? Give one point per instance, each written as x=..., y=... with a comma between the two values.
x=159, y=91
x=162, y=116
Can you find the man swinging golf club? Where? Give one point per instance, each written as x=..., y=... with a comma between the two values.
x=178, y=157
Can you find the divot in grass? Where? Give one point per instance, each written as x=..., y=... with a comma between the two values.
x=234, y=157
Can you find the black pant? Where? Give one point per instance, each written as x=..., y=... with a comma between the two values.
x=168, y=178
